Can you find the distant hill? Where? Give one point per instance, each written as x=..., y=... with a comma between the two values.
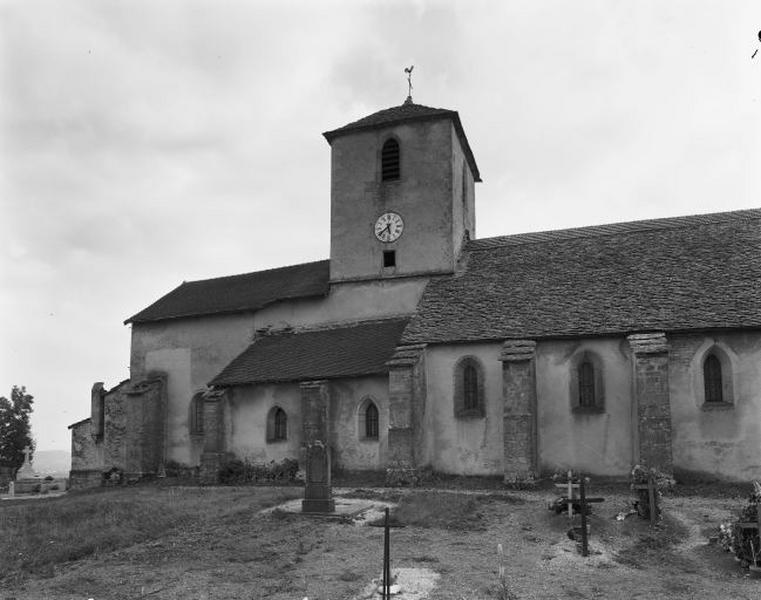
x=52, y=462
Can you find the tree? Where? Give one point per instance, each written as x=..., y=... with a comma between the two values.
x=15, y=431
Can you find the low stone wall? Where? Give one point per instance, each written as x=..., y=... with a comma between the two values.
x=85, y=478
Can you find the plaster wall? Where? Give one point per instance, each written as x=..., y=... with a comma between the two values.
x=720, y=441
x=422, y=196
x=351, y=450
x=598, y=443
x=355, y=301
x=463, y=192
x=176, y=361
x=247, y=423
x=191, y=352
x=464, y=446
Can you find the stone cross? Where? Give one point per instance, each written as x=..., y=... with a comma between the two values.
x=27, y=451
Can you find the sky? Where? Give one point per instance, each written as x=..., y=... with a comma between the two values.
x=145, y=143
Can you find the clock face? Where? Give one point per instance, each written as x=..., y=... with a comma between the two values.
x=389, y=227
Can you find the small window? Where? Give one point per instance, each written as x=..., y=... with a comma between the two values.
x=389, y=258
x=390, y=160
x=586, y=385
x=371, y=421
x=712, y=379
x=196, y=415
x=277, y=425
x=468, y=388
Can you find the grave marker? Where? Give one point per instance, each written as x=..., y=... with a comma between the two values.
x=583, y=503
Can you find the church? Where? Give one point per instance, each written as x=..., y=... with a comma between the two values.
x=417, y=345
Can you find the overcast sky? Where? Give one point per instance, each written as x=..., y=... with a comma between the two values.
x=147, y=143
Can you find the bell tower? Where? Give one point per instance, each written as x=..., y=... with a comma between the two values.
x=402, y=194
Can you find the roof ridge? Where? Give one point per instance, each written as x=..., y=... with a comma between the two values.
x=616, y=228
x=320, y=327
x=249, y=273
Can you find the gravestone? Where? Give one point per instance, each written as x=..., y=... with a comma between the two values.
x=315, y=402
x=318, y=495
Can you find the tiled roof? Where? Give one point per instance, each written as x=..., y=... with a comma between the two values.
x=349, y=351
x=239, y=293
x=687, y=273
x=408, y=112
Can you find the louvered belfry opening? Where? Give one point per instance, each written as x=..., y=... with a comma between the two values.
x=390, y=160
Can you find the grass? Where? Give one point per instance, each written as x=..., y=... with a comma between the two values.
x=182, y=542
x=440, y=510
x=37, y=535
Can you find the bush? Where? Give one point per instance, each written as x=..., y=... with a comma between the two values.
x=177, y=469
x=237, y=471
x=233, y=471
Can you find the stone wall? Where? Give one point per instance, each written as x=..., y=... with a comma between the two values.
x=650, y=360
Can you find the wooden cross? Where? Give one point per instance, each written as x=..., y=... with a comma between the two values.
x=652, y=497
x=583, y=503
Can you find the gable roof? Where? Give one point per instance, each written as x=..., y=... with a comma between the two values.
x=405, y=113
x=687, y=273
x=349, y=351
x=238, y=293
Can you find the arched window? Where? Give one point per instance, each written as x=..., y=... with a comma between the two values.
x=712, y=379
x=371, y=421
x=390, y=160
x=196, y=415
x=468, y=388
x=277, y=425
x=586, y=384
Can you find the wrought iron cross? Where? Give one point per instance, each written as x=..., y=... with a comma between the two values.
x=408, y=70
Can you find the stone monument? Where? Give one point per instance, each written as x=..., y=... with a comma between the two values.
x=27, y=480
x=318, y=490
x=318, y=494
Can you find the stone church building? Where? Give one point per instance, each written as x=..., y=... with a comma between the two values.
x=418, y=344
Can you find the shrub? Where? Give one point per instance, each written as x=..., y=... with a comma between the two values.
x=233, y=471
x=237, y=471
x=183, y=471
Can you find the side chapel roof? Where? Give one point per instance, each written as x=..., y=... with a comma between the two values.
x=348, y=351
x=239, y=293
x=685, y=273
x=408, y=112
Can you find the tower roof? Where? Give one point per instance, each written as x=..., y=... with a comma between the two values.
x=405, y=113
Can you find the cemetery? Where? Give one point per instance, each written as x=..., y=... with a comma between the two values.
x=446, y=538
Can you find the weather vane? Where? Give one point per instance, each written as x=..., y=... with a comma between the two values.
x=754, y=54
x=408, y=70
